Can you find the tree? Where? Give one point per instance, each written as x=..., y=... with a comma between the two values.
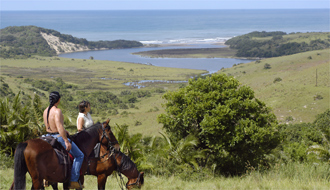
x=225, y=117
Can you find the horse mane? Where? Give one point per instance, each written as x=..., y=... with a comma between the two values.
x=86, y=133
x=126, y=163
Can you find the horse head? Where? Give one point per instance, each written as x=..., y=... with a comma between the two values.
x=108, y=138
x=135, y=182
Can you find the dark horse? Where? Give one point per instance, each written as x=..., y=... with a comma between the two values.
x=38, y=157
x=111, y=160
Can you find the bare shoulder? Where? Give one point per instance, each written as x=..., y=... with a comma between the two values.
x=57, y=111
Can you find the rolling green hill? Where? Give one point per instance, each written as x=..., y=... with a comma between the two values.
x=295, y=86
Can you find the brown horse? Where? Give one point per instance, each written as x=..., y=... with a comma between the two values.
x=111, y=160
x=38, y=157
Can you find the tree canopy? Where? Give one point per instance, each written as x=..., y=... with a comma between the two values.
x=225, y=117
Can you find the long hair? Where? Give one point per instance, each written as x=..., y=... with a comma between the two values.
x=53, y=99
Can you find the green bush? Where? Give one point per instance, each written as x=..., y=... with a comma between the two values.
x=277, y=79
x=267, y=66
x=226, y=119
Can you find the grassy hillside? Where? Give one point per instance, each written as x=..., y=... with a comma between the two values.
x=94, y=75
x=289, y=85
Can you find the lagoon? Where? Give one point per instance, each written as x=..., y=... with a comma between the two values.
x=211, y=65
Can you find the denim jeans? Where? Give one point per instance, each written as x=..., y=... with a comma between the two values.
x=76, y=153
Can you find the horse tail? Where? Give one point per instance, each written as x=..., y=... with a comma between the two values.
x=20, y=167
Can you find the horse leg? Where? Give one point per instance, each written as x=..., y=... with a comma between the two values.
x=54, y=185
x=66, y=185
x=101, y=179
x=37, y=183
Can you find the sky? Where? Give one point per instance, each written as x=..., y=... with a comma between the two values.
x=160, y=4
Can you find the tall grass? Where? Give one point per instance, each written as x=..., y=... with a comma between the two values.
x=281, y=176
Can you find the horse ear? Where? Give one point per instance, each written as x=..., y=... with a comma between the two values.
x=108, y=120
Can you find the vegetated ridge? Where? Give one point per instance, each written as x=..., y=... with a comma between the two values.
x=253, y=45
x=274, y=44
x=25, y=41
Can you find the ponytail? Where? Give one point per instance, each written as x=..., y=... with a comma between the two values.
x=54, y=97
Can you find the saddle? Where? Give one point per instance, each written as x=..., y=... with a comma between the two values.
x=64, y=157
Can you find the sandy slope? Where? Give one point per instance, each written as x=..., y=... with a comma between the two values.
x=62, y=47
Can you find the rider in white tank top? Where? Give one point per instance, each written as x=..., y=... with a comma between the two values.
x=88, y=121
x=84, y=119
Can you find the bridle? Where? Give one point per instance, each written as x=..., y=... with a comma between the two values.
x=104, y=135
x=112, y=151
x=137, y=182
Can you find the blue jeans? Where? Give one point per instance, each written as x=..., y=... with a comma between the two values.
x=76, y=153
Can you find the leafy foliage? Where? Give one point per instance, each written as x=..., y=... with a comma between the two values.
x=17, y=124
x=322, y=150
x=225, y=117
x=296, y=139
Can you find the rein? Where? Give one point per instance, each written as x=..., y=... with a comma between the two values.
x=121, y=183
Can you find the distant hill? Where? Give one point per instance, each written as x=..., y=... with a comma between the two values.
x=296, y=86
x=24, y=41
x=275, y=44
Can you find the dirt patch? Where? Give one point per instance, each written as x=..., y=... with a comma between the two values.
x=62, y=47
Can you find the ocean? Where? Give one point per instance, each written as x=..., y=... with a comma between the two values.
x=170, y=26
x=202, y=28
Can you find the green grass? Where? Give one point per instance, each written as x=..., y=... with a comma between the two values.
x=282, y=176
x=294, y=95
x=88, y=74
x=299, y=37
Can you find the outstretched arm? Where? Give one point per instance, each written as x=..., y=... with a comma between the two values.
x=60, y=128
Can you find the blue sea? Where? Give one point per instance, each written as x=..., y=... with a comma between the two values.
x=201, y=27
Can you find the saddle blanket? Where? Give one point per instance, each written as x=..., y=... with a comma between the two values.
x=63, y=156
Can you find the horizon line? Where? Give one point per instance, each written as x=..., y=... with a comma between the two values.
x=163, y=9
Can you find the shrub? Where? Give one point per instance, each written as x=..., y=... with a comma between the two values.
x=277, y=79
x=318, y=97
x=267, y=66
x=138, y=123
x=289, y=118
